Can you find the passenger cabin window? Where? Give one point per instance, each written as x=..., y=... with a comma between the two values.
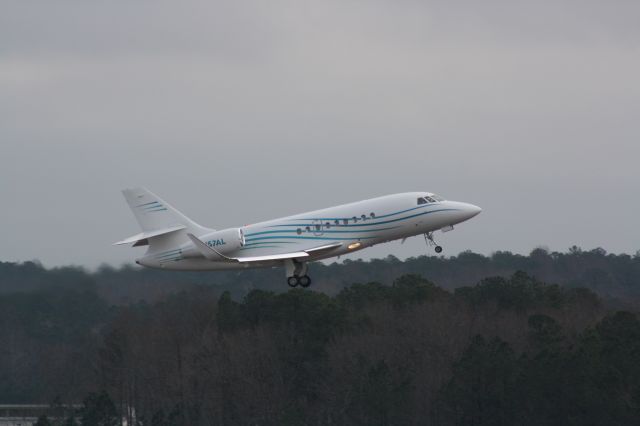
x=373, y=215
x=355, y=219
x=364, y=217
x=337, y=222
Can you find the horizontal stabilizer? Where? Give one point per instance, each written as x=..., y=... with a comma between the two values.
x=145, y=235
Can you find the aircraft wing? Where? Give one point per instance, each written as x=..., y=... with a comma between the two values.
x=213, y=254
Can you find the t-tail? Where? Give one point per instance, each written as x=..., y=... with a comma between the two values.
x=163, y=227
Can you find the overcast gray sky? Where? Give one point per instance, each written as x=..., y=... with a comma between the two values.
x=240, y=111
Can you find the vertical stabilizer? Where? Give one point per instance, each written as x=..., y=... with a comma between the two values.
x=156, y=216
x=153, y=213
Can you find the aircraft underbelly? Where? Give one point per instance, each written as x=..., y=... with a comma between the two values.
x=197, y=264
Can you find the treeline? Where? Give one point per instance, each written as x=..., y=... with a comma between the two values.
x=614, y=277
x=507, y=351
x=414, y=342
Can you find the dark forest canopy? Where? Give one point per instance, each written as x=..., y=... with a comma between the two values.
x=615, y=277
x=385, y=343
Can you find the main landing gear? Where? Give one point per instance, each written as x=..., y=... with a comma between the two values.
x=297, y=273
x=295, y=281
x=428, y=237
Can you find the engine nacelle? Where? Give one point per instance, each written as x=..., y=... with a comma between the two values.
x=226, y=241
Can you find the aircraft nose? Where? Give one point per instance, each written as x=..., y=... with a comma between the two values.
x=471, y=210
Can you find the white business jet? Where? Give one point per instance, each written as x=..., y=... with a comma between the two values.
x=177, y=243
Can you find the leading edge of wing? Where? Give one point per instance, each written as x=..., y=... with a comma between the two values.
x=212, y=254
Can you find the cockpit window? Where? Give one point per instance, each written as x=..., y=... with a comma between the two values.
x=427, y=199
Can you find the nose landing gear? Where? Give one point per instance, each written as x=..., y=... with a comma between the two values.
x=428, y=237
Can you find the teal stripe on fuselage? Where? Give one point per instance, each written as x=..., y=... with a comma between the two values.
x=269, y=242
x=323, y=231
x=261, y=247
x=296, y=237
x=168, y=252
x=168, y=256
x=374, y=224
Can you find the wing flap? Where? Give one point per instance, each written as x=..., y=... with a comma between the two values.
x=324, y=248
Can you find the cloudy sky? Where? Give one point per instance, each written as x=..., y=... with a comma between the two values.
x=240, y=111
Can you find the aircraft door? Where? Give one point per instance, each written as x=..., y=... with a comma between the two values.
x=317, y=228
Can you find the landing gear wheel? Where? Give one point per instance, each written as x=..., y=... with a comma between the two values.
x=305, y=281
x=428, y=237
x=293, y=281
